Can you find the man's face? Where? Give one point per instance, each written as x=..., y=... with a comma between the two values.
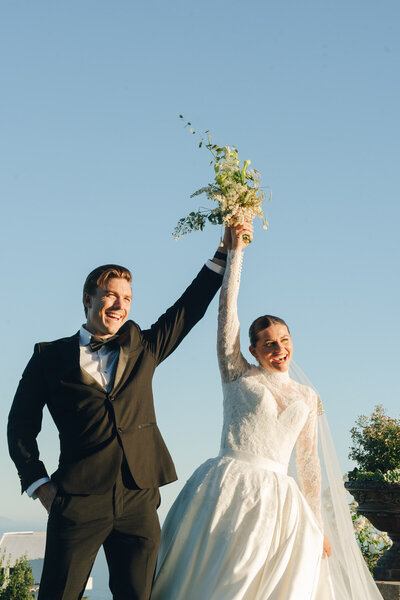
x=108, y=308
x=274, y=348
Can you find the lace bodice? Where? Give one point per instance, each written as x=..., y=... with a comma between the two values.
x=266, y=414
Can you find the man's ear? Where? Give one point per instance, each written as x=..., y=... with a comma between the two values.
x=87, y=300
x=253, y=351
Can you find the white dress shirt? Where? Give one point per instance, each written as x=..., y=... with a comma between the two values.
x=101, y=365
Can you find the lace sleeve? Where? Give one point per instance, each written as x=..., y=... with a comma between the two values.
x=231, y=362
x=307, y=459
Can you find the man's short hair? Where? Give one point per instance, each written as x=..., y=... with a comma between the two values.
x=99, y=277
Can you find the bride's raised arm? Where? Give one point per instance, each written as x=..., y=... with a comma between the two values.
x=232, y=363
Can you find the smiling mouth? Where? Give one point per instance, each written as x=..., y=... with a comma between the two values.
x=280, y=359
x=114, y=316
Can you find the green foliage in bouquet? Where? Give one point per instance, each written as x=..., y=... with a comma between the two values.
x=235, y=189
x=376, y=448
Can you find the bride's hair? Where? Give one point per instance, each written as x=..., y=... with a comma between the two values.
x=262, y=323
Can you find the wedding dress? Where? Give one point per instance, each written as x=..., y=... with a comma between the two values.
x=242, y=528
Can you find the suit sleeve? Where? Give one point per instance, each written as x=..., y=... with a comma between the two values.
x=25, y=422
x=170, y=329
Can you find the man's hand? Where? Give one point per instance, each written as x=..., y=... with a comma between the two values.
x=327, y=549
x=227, y=241
x=46, y=494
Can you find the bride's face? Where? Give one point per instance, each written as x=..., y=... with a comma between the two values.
x=274, y=348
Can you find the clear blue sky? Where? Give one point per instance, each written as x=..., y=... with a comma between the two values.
x=96, y=167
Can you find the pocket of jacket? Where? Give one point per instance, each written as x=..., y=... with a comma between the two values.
x=145, y=425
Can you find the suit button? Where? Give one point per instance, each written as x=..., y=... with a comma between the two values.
x=119, y=429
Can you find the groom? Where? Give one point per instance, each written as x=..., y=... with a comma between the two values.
x=97, y=387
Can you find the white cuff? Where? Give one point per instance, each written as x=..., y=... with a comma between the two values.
x=34, y=486
x=214, y=267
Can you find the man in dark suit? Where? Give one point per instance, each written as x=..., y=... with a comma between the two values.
x=97, y=387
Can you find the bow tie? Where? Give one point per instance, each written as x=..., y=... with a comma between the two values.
x=97, y=343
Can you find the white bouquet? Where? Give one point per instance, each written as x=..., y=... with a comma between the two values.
x=236, y=190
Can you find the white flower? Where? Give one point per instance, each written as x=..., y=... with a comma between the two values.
x=359, y=523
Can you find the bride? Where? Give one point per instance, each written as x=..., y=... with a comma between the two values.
x=242, y=528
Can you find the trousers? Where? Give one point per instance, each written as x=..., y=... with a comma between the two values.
x=124, y=520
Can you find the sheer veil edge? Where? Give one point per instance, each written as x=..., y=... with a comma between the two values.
x=345, y=575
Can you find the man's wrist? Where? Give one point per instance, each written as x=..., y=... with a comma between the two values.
x=216, y=265
x=35, y=485
x=219, y=259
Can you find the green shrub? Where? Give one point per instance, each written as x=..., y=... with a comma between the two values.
x=376, y=447
x=388, y=477
x=17, y=581
x=372, y=543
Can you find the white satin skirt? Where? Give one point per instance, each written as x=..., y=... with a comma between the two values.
x=239, y=530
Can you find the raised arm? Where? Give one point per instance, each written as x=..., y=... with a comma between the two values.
x=232, y=363
x=307, y=460
x=168, y=331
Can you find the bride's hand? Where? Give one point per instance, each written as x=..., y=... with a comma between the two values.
x=327, y=549
x=237, y=233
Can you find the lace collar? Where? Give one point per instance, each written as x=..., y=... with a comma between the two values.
x=275, y=377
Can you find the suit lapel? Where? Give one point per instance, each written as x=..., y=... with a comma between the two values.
x=130, y=348
x=121, y=365
x=85, y=378
x=70, y=363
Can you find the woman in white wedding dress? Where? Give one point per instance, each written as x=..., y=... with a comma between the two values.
x=241, y=528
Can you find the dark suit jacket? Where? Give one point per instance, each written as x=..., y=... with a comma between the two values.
x=97, y=428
